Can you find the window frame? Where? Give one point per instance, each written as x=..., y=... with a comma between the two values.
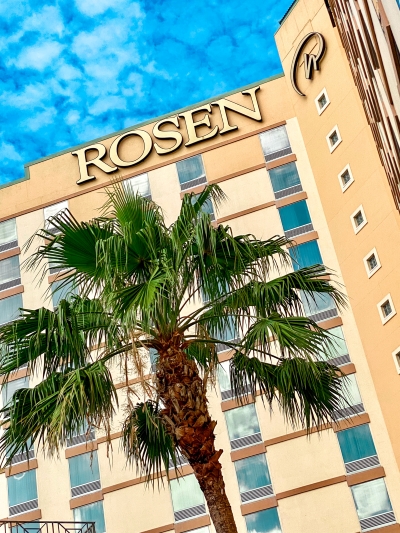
x=320, y=110
x=396, y=359
x=385, y=319
x=370, y=272
x=357, y=229
x=332, y=147
x=344, y=187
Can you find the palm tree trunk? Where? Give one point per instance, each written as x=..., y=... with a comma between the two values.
x=183, y=393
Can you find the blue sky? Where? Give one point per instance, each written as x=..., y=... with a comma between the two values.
x=74, y=70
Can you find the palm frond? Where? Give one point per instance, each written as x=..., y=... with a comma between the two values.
x=307, y=392
x=57, y=408
x=146, y=442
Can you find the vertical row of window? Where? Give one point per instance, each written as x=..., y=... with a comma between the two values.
x=386, y=309
x=10, y=274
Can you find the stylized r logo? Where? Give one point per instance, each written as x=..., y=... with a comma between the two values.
x=311, y=61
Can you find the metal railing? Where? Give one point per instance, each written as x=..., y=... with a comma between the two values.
x=13, y=526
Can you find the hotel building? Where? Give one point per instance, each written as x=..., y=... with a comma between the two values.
x=312, y=154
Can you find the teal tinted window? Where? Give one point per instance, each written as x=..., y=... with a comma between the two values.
x=242, y=421
x=263, y=522
x=91, y=513
x=316, y=303
x=284, y=177
x=371, y=498
x=22, y=488
x=190, y=169
x=9, y=269
x=12, y=386
x=62, y=291
x=339, y=346
x=186, y=493
x=356, y=443
x=252, y=473
x=294, y=215
x=207, y=206
x=9, y=308
x=8, y=231
x=305, y=255
x=83, y=469
x=224, y=376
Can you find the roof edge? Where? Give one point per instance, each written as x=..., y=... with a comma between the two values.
x=285, y=16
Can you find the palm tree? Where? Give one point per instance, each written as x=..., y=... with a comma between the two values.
x=173, y=289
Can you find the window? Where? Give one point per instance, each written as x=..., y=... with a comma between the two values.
x=371, y=499
x=371, y=262
x=319, y=306
x=305, y=255
x=51, y=211
x=358, y=449
x=333, y=139
x=138, y=185
x=264, y=522
x=207, y=208
x=22, y=492
x=91, y=513
x=243, y=426
x=224, y=379
x=295, y=219
x=23, y=455
x=9, y=308
x=81, y=436
x=11, y=387
x=84, y=473
x=337, y=353
x=285, y=180
x=61, y=290
x=386, y=309
x=345, y=178
x=275, y=143
x=8, y=235
x=322, y=101
x=10, y=275
x=228, y=333
x=191, y=172
x=358, y=219
x=187, y=498
x=352, y=405
x=396, y=359
x=253, y=478
x=153, y=354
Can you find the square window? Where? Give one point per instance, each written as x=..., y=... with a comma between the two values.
x=386, y=309
x=396, y=359
x=333, y=139
x=372, y=262
x=345, y=178
x=358, y=219
x=322, y=101
x=191, y=172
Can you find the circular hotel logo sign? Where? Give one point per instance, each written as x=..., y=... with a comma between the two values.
x=311, y=61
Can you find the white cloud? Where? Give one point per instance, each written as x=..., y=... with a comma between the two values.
x=9, y=152
x=39, y=56
x=33, y=95
x=92, y=8
x=68, y=72
x=39, y=120
x=107, y=103
x=72, y=117
x=46, y=21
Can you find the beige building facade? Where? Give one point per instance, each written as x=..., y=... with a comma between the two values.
x=294, y=155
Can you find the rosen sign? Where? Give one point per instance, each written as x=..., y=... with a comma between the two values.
x=167, y=129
